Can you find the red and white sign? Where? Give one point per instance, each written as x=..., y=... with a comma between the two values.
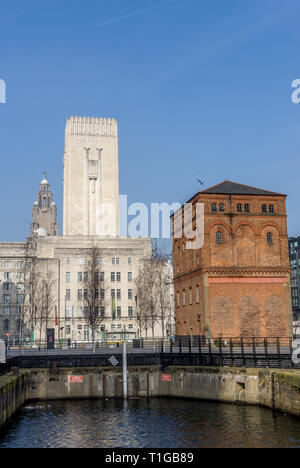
x=166, y=378
x=76, y=379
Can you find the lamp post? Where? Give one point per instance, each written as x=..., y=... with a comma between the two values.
x=125, y=381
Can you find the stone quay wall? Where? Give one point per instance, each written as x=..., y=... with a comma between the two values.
x=275, y=389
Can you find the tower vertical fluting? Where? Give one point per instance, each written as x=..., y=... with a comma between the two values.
x=91, y=177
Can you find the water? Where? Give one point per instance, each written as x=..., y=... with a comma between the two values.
x=156, y=423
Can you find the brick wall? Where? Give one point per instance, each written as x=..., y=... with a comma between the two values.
x=244, y=280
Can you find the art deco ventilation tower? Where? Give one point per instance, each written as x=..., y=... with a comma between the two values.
x=91, y=178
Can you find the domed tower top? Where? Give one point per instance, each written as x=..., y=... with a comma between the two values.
x=44, y=212
x=44, y=181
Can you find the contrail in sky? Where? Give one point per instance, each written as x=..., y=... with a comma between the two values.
x=30, y=10
x=134, y=13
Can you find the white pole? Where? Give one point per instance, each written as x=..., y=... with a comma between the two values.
x=125, y=381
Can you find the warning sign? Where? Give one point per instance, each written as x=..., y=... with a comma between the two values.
x=76, y=379
x=166, y=378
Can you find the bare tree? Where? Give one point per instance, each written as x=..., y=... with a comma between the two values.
x=94, y=300
x=32, y=288
x=144, y=300
x=28, y=282
x=153, y=285
x=45, y=303
x=146, y=296
x=164, y=299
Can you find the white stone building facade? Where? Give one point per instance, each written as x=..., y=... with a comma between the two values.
x=91, y=219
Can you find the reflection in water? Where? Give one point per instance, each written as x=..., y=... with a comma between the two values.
x=154, y=423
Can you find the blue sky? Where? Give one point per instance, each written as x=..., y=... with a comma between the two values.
x=195, y=85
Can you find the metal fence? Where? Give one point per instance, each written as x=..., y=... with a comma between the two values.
x=183, y=351
x=231, y=352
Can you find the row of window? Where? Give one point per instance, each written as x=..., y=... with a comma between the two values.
x=83, y=294
x=7, y=299
x=80, y=311
x=241, y=208
x=100, y=261
x=8, y=275
x=9, y=264
x=219, y=238
x=11, y=286
x=188, y=295
x=7, y=328
x=116, y=312
x=82, y=261
x=83, y=277
x=102, y=329
x=8, y=310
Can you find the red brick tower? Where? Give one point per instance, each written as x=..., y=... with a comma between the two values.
x=238, y=284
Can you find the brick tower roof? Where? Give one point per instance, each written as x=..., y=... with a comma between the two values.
x=232, y=188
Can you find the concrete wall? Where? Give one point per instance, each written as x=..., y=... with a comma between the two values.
x=13, y=394
x=47, y=384
x=265, y=387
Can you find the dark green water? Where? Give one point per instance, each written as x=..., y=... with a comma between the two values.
x=157, y=423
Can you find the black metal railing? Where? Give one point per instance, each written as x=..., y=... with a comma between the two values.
x=183, y=351
x=232, y=352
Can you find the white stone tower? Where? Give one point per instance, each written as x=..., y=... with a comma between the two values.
x=91, y=178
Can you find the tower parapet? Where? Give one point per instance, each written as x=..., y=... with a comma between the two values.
x=92, y=126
